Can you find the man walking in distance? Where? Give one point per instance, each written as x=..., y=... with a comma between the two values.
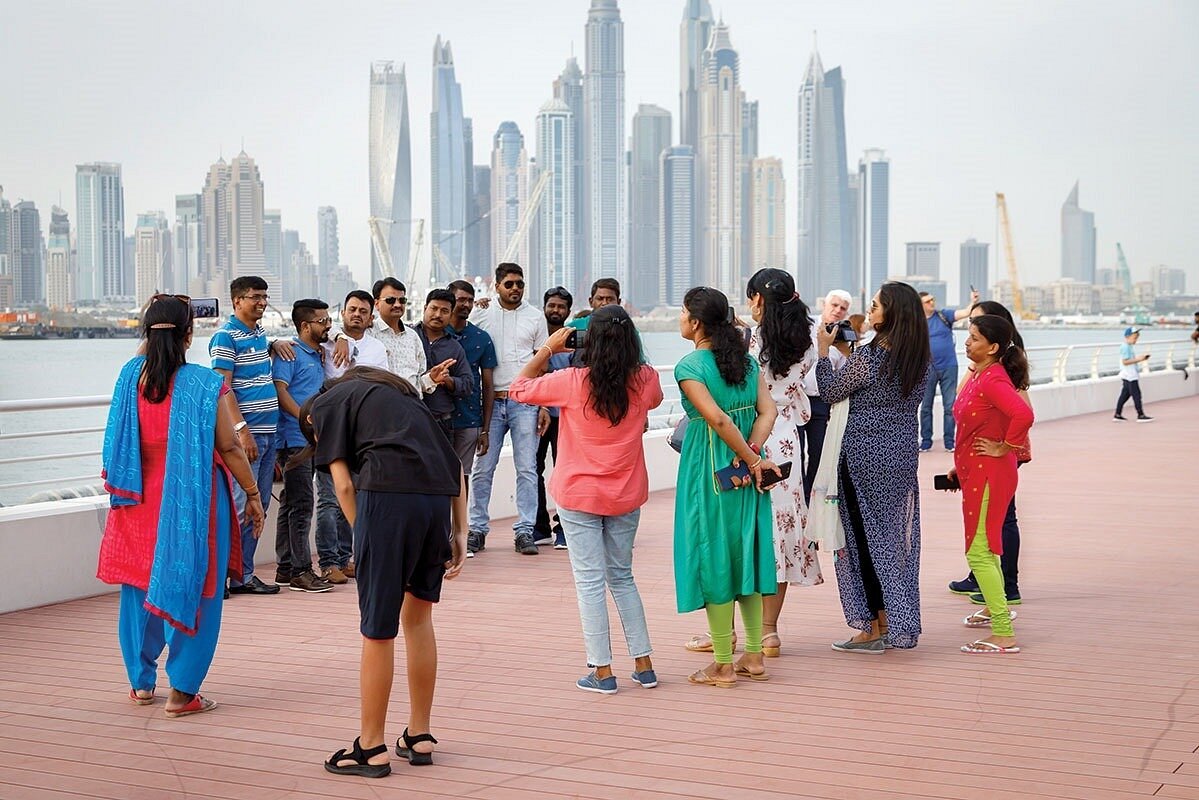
x=334, y=538
x=517, y=329
x=944, y=369
x=295, y=382
x=605, y=291
x=556, y=305
x=1130, y=376
x=441, y=345
x=836, y=308
x=240, y=352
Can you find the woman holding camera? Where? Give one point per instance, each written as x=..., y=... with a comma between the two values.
x=993, y=423
x=878, y=573
x=723, y=538
x=600, y=481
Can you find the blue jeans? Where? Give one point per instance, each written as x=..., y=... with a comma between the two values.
x=601, y=556
x=507, y=416
x=334, y=538
x=947, y=379
x=263, y=468
x=295, y=515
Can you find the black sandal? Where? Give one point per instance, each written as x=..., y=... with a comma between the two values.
x=405, y=750
x=362, y=767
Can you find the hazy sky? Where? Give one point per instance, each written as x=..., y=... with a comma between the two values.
x=967, y=98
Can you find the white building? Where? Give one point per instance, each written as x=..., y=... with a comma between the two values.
x=604, y=120
x=555, y=226
x=151, y=255
x=389, y=161
x=769, y=215
x=509, y=190
x=924, y=258
x=718, y=170
x=100, y=232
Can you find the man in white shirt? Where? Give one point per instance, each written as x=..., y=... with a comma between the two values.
x=357, y=316
x=836, y=308
x=517, y=329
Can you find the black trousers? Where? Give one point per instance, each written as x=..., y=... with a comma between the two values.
x=547, y=445
x=812, y=439
x=292, y=552
x=1130, y=389
x=870, y=582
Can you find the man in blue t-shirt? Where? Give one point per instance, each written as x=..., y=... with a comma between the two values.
x=472, y=414
x=944, y=367
x=556, y=306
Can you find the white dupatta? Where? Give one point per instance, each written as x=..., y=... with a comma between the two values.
x=824, y=512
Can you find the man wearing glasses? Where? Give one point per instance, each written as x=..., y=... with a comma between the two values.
x=517, y=330
x=240, y=352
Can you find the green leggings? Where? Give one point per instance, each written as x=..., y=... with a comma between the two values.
x=720, y=626
x=987, y=572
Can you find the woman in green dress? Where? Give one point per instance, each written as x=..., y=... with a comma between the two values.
x=723, y=540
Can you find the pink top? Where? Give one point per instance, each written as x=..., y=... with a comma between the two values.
x=600, y=467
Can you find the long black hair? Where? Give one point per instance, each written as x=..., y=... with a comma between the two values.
x=904, y=332
x=711, y=309
x=999, y=331
x=166, y=326
x=1000, y=310
x=785, y=330
x=613, y=356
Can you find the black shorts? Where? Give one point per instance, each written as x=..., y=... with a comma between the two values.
x=401, y=544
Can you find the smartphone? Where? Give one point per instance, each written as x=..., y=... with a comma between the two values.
x=943, y=483
x=205, y=307
x=770, y=479
x=576, y=339
x=724, y=477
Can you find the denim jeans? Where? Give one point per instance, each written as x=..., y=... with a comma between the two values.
x=947, y=379
x=601, y=556
x=507, y=416
x=263, y=468
x=295, y=515
x=334, y=538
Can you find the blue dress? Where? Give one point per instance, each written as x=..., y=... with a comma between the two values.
x=879, y=456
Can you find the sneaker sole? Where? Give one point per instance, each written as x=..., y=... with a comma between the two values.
x=596, y=690
x=470, y=554
x=962, y=592
x=981, y=602
x=859, y=651
x=561, y=547
x=310, y=591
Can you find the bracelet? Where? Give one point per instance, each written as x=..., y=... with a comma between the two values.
x=484, y=433
x=254, y=493
x=549, y=350
x=756, y=463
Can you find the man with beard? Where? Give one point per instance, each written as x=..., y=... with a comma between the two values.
x=441, y=345
x=556, y=305
x=517, y=330
x=296, y=381
x=472, y=414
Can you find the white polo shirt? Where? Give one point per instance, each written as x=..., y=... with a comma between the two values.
x=516, y=333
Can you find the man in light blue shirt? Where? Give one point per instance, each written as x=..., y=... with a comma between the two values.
x=1130, y=374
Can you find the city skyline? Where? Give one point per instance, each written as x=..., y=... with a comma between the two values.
x=949, y=167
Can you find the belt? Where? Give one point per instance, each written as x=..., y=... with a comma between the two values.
x=501, y=395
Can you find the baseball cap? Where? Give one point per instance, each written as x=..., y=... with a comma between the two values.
x=1130, y=331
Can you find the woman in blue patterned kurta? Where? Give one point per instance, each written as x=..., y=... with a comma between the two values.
x=878, y=572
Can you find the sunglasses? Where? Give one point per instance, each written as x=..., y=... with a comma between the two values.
x=391, y=301
x=180, y=297
x=322, y=321
x=510, y=284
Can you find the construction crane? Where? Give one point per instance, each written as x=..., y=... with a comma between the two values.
x=526, y=219
x=379, y=245
x=1013, y=273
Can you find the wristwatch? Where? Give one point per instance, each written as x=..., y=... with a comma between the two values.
x=239, y=426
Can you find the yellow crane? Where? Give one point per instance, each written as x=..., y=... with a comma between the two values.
x=1013, y=273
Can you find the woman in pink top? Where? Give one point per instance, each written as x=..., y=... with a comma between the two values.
x=599, y=479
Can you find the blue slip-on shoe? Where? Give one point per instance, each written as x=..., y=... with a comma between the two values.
x=559, y=541
x=593, y=683
x=647, y=678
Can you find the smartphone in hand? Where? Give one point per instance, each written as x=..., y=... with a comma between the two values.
x=770, y=479
x=943, y=483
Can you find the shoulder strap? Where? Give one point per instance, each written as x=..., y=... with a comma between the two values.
x=942, y=317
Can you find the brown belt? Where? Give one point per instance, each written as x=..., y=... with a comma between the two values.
x=501, y=395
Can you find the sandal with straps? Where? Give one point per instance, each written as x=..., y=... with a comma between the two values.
x=361, y=765
x=406, y=750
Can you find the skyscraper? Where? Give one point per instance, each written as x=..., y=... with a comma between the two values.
x=1078, y=240
x=390, y=162
x=449, y=169
x=556, y=216
x=694, y=32
x=823, y=253
x=874, y=211
x=749, y=151
x=718, y=170
x=26, y=246
x=509, y=189
x=60, y=278
x=769, y=201
x=677, y=211
x=569, y=89
x=972, y=265
x=6, y=279
x=151, y=256
x=100, y=232
x=924, y=259
x=603, y=108
x=478, y=230
x=289, y=246
x=272, y=249
x=245, y=195
x=188, y=264
x=328, y=251
x=651, y=136
x=215, y=226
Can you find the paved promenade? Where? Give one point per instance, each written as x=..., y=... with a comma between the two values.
x=1103, y=704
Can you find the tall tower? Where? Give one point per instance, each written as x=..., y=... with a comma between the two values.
x=769, y=203
x=188, y=263
x=272, y=250
x=972, y=265
x=447, y=129
x=823, y=253
x=509, y=189
x=215, y=220
x=694, y=32
x=328, y=250
x=245, y=199
x=651, y=135
x=1078, y=240
x=60, y=278
x=478, y=235
x=151, y=255
x=873, y=215
x=676, y=266
x=100, y=232
x=390, y=162
x=6, y=281
x=603, y=108
x=718, y=167
x=26, y=244
x=556, y=218
x=569, y=89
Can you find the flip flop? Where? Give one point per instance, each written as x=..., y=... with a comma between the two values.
x=753, y=676
x=702, y=643
x=141, y=701
x=198, y=705
x=983, y=647
x=977, y=620
x=702, y=678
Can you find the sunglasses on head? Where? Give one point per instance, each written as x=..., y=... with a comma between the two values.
x=511, y=284
x=391, y=301
x=180, y=297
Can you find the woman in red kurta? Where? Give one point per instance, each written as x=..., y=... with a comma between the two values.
x=993, y=422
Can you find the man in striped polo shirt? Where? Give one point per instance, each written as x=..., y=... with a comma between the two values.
x=241, y=353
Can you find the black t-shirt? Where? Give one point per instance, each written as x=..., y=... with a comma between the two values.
x=389, y=440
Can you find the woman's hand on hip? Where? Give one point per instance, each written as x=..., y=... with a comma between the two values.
x=991, y=448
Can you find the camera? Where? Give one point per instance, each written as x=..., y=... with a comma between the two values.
x=576, y=339
x=845, y=331
x=205, y=307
